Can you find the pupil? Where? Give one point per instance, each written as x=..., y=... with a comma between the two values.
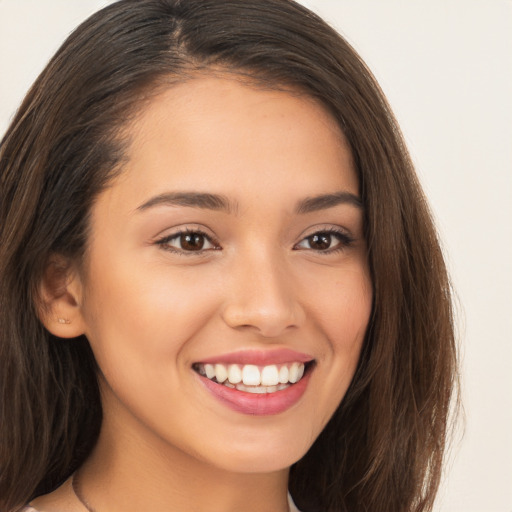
x=320, y=241
x=192, y=241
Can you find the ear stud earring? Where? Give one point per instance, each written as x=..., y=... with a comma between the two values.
x=63, y=321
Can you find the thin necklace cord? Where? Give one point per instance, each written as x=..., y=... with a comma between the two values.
x=75, y=485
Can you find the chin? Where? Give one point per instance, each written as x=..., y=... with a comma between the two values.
x=265, y=458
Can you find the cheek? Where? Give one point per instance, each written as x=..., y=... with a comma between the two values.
x=342, y=312
x=348, y=332
x=139, y=326
x=146, y=314
x=342, y=308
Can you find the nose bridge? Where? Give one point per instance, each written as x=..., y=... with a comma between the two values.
x=262, y=294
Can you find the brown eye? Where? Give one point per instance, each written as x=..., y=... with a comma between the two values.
x=325, y=241
x=320, y=241
x=192, y=241
x=188, y=242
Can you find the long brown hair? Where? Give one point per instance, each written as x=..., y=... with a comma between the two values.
x=383, y=448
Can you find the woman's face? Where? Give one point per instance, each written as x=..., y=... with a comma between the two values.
x=230, y=247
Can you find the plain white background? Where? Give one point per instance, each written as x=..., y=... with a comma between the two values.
x=445, y=66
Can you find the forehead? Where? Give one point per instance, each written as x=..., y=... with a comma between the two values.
x=226, y=135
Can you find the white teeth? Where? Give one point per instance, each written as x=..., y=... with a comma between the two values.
x=221, y=373
x=234, y=374
x=301, y=372
x=257, y=390
x=269, y=376
x=209, y=370
x=283, y=375
x=251, y=378
x=293, y=375
x=251, y=375
x=260, y=389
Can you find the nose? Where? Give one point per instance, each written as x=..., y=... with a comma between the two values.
x=262, y=297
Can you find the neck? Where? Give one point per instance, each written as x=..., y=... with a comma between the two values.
x=140, y=471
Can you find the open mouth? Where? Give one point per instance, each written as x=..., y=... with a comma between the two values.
x=255, y=379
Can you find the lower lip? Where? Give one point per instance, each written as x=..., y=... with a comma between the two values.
x=255, y=404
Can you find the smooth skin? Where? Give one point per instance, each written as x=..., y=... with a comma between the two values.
x=255, y=278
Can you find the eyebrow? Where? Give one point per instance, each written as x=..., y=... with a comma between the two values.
x=221, y=203
x=325, y=201
x=191, y=199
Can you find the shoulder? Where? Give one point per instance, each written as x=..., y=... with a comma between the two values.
x=61, y=499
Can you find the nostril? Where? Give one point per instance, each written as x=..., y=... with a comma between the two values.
x=265, y=322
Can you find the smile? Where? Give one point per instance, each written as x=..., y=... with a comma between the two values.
x=251, y=378
x=257, y=383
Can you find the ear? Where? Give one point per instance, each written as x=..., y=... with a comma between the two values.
x=60, y=299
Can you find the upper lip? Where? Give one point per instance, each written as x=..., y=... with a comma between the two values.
x=259, y=357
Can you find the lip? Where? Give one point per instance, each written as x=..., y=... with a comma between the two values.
x=257, y=404
x=259, y=357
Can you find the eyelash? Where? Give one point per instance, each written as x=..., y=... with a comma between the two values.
x=344, y=239
x=163, y=242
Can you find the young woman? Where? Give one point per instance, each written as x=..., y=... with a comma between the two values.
x=219, y=279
